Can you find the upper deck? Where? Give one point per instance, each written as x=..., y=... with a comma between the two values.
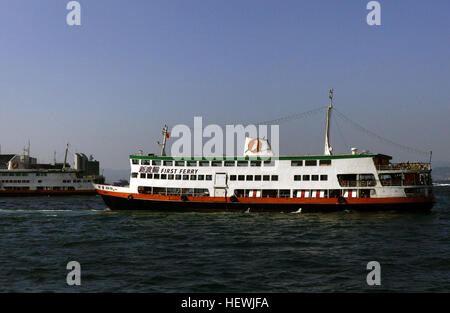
x=236, y=158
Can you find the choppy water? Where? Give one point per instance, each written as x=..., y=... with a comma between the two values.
x=219, y=252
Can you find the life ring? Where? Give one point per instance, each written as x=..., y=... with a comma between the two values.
x=254, y=145
x=14, y=165
x=130, y=197
x=341, y=200
x=233, y=198
x=184, y=198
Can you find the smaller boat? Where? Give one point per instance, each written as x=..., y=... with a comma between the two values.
x=21, y=175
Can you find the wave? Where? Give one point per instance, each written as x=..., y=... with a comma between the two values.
x=441, y=184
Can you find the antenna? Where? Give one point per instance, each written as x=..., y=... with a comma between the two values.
x=65, y=157
x=328, y=149
x=166, y=135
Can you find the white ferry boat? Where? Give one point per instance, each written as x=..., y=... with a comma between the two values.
x=355, y=181
x=21, y=175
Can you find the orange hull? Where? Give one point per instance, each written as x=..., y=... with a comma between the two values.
x=117, y=200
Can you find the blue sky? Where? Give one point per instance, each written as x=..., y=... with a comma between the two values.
x=109, y=85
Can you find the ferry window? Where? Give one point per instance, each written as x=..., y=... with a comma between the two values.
x=177, y=177
x=142, y=175
x=142, y=189
x=159, y=190
x=201, y=192
x=149, y=176
x=297, y=177
x=391, y=179
x=368, y=180
x=134, y=161
x=347, y=180
x=208, y=177
x=155, y=176
x=323, y=177
x=275, y=177
x=179, y=163
x=269, y=193
x=364, y=193
x=163, y=176
x=249, y=177
x=266, y=177
x=232, y=177
x=269, y=163
x=134, y=175
x=201, y=177
x=306, y=177
x=191, y=163
x=156, y=162
x=296, y=163
x=216, y=163
x=310, y=162
x=255, y=163
x=257, y=177
x=284, y=193
x=315, y=177
x=241, y=177
x=39, y=181
x=193, y=177
x=229, y=163
x=145, y=162
x=170, y=176
x=242, y=163
x=335, y=193
x=173, y=191
x=324, y=162
x=203, y=163
x=168, y=163
x=185, y=177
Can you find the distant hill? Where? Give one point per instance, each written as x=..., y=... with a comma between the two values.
x=441, y=173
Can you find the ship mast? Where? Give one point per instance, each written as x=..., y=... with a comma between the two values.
x=163, y=144
x=328, y=149
x=65, y=157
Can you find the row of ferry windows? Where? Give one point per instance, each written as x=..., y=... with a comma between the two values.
x=310, y=177
x=40, y=181
x=230, y=163
x=205, y=163
x=232, y=177
x=206, y=177
x=172, y=176
x=265, y=193
x=21, y=174
x=39, y=188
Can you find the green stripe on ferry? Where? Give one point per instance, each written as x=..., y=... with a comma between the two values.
x=307, y=157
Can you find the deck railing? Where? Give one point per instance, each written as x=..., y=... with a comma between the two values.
x=405, y=167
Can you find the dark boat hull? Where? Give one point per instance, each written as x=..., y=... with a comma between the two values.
x=120, y=203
